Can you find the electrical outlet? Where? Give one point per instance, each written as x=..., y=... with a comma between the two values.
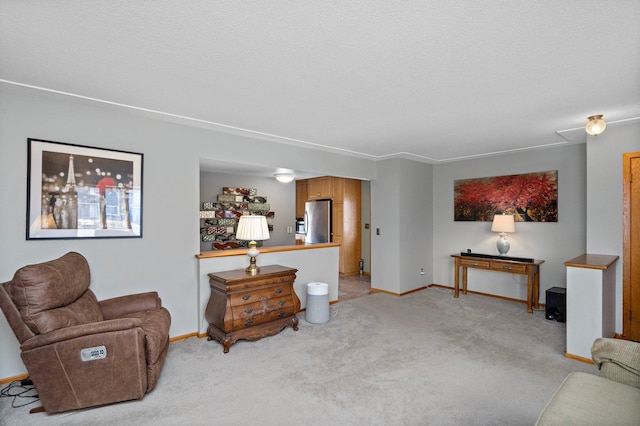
x=92, y=354
x=421, y=271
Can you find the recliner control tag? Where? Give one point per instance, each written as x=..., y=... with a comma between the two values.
x=91, y=354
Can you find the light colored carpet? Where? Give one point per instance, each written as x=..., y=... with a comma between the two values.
x=420, y=359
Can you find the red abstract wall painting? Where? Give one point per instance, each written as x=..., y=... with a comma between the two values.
x=530, y=197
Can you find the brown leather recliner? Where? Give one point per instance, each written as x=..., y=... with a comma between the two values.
x=81, y=352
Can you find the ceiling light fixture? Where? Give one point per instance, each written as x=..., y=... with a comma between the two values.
x=595, y=125
x=284, y=177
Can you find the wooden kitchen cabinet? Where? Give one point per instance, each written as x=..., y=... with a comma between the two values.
x=351, y=232
x=320, y=188
x=337, y=219
x=301, y=197
x=244, y=306
x=346, y=196
x=337, y=186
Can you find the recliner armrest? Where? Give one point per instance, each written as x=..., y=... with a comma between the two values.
x=75, y=331
x=123, y=305
x=618, y=360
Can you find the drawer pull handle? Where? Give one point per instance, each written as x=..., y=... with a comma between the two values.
x=278, y=291
x=281, y=303
x=248, y=310
x=473, y=263
x=281, y=280
x=249, y=323
x=246, y=297
x=281, y=314
x=507, y=267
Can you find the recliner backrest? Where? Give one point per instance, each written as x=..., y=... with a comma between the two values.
x=20, y=329
x=54, y=294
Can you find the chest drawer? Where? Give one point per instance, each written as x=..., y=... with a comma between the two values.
x=270, y=292
x=263, y=311
x=259, y=283
x=506, y=267
x=480, y=264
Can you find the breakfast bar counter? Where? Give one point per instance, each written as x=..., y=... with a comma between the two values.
x=263, y=250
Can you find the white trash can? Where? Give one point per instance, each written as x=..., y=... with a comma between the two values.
x=317, y=310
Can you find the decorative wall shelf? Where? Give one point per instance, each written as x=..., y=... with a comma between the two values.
x=219, y=219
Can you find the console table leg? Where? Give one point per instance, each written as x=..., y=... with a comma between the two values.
x=456, y=278
x=530, y=292
x=536, y=289
x=464, y=280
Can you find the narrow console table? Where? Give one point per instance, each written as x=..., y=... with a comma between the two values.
x=530, y=269
x=244, y=306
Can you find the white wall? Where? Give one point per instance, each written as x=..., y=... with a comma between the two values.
x=385, y=228
x=416, y=225
x=553, y=242
x=164, y=259
x=604, y=195
x=401, y=209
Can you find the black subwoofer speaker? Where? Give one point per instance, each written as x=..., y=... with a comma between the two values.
x=556, y=306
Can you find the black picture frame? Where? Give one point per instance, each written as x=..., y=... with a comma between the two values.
x=78, y=191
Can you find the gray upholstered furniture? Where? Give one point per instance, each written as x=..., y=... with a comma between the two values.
x=81, y=352
x=611, y=398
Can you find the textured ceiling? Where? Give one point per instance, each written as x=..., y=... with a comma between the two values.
x=434, y=81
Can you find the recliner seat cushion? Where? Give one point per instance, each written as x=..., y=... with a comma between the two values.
x=55, y=294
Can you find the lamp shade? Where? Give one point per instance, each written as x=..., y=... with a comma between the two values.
x=595, y=125
x=252, y=228
x=503, y=223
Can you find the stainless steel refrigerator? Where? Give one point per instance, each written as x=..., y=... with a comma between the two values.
x=317, y=221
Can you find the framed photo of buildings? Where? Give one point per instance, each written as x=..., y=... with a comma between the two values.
x=76, y=191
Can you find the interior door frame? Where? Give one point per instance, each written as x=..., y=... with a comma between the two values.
x=626, y=242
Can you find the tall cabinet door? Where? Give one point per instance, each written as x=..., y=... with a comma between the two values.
x=631, y=243
x=351, y=227
x=337, y=217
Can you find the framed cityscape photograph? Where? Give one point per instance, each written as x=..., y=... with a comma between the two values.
x=76, y=191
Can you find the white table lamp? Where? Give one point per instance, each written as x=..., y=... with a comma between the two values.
x=503, y=223
x=252, y=228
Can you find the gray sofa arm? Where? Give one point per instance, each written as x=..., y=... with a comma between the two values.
x=618, y=360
